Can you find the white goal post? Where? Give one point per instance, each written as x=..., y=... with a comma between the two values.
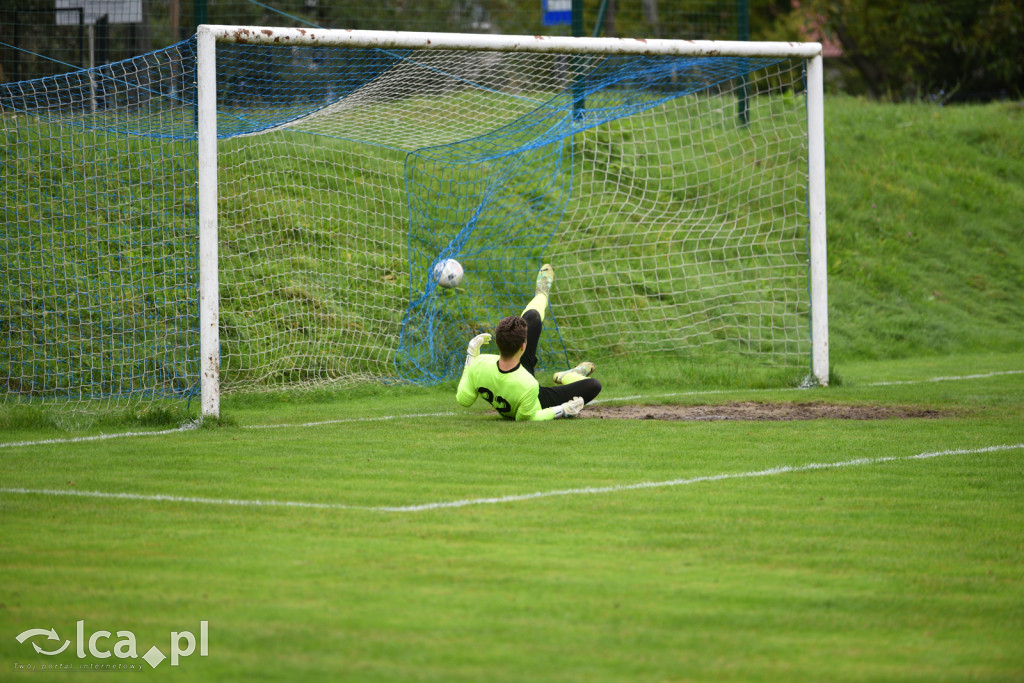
x=396, y=42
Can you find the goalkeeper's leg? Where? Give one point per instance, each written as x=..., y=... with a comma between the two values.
x=581, y=371
x=533, y=314
x=574, y=382
x=587, y=388
x=542, y=291
x=534, y=326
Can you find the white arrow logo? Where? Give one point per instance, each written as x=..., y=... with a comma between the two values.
x=50, y=635
x=55, y=652
x=25, y=635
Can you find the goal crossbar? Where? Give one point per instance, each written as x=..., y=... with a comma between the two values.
x=412, y=40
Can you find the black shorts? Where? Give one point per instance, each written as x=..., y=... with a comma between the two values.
x=587, y=388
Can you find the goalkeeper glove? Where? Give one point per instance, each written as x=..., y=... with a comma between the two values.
x=570, y=408
x=473, y=350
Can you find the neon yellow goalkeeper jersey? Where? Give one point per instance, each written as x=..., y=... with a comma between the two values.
x=513, y=394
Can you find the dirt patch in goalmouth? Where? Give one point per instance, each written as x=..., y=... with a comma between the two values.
x=755, y=411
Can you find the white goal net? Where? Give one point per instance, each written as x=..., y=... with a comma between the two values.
x=276, y=226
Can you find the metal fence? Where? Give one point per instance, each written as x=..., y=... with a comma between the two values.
x=41, y=38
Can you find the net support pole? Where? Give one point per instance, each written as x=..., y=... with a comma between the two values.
x=816, y=209
x=206, y=134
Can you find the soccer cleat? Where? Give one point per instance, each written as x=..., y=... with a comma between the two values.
x=584, y=369
x=544, y=279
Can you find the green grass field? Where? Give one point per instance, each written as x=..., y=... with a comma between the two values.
x=376, y=546
x=383, y=533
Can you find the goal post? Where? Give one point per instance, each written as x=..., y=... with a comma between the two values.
x=206, y=174
x=816, y=215
x=460, y=228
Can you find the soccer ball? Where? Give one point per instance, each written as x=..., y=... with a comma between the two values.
x=448, y=273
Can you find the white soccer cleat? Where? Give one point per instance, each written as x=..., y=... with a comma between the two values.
x=544, y=279
x=584, y=369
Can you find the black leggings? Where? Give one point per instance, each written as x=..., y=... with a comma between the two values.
x=587, y=388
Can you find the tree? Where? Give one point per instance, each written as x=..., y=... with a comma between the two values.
x=901, y=49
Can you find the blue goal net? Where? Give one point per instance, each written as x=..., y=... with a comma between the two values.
x=345, y=175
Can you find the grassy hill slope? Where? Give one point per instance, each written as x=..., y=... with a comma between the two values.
x=925, y=221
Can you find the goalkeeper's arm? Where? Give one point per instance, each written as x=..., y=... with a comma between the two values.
x=466, y=393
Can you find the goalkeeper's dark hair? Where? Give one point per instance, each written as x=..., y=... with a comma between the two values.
x=510, y=335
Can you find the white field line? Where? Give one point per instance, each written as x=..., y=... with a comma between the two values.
x=753, y=391
x=98, y=437
x=948, y=379
x=590, y=490
x=190, y=426
x=350, y=419
x=634, y=397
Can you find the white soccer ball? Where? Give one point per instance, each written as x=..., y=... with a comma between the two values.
x=448, y=273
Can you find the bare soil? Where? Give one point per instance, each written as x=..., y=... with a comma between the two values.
x=755, y=411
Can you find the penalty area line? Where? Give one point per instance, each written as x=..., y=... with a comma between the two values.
x=782, y=469
x=955, y=378
x=515, y=498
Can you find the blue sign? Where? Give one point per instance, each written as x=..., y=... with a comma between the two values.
x=556, y=12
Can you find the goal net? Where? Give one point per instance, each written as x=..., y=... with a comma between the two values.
x=98, y=234
x=277, y=226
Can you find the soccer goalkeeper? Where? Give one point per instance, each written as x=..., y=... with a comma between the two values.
x=506, y=381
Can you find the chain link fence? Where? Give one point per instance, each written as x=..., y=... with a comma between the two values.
x=40, y=38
